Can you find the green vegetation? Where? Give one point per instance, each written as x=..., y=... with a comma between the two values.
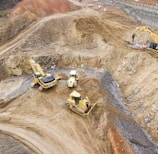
x=1, y=13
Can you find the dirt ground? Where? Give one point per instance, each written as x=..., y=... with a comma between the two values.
x=122, y=80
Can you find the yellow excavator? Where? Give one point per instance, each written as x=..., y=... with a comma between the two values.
x=44, y=81
x=153, y=45
x=79, y=105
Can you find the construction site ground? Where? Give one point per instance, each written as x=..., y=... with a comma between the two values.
x=95, y=42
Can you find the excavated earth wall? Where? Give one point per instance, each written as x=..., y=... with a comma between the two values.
x=7, y=4
x=14, y=145
x=144, y=12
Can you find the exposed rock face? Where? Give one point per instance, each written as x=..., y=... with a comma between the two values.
x=9, y=145
x=7, y=4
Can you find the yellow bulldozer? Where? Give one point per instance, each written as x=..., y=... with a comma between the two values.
x=42, y=79
x=79, y=105
x=153, y=45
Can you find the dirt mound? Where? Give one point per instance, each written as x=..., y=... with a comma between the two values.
x=25, y=12
x=43, y=7
x=85, y=32
x=68, y=38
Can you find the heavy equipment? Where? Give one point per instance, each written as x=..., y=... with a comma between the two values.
x=153, y=45
x=79, y=105
x=72, y=81
x=42, y=79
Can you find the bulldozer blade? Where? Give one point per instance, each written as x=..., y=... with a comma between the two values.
x=90, y=110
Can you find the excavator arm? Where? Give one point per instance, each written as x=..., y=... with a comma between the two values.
x=154, y=36
x=145, y=29
x=37, y=68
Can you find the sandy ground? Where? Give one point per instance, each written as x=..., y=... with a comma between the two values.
x=47, y=126
x=87, y=38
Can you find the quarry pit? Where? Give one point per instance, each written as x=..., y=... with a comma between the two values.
x=122, y=80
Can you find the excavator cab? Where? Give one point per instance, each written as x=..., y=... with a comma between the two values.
x=153, y=45
x=44, y=81
x=79, y=105
x=48, y=79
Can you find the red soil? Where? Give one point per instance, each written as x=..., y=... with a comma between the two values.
x=149, y=1
x=43, y=7
x=119, y=144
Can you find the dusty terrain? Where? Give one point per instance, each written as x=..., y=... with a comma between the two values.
x=95, y=42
